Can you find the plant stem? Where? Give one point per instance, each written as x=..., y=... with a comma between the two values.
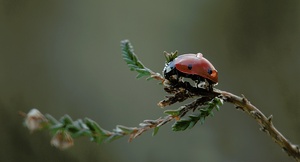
x=265, y=123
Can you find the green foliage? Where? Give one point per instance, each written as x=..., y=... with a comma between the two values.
x=126, y=130
x=206, y=110
x=132, y=61
x=87, y=127
x=155, y=131
x=170, y=56
x=99, y=135
x=173, y=112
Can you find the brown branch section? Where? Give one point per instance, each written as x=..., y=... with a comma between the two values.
x=265, y=122
x=183, y=90
x=187, y=91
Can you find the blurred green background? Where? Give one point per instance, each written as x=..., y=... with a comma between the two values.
x=64, y=57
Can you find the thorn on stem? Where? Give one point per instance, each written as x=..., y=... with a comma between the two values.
x=296, y=147
x=176, y=118
x=245, y=100
x=270, y=118
x=238, y=107
x=285, y=150
x=263, y=129
x=256, y=114
x=253, y=113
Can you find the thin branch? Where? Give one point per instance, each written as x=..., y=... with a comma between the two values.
x=265, y=123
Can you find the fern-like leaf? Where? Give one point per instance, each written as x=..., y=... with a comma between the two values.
x=205, y=111
x=132, y=61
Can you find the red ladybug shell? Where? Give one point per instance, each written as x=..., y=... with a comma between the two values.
x=196, y=64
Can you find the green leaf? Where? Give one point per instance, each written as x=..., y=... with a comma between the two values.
x=80, y=124
x=66, y=119
x=217, y=107
x=202, y=120
x=194, y=120
x=72, y=128
x=51, y=119
x=126, y=130
x=83, y=132
x=211, y=113
x=219, y=101
x=56, y=127
x=172, y=112
x=95, y=127
x=206, y=110
x=155, y=131
x=181, y=125
x=99, y=134
x=113, y=137
x=132, y=60
x=170, y=56
x=140, y=75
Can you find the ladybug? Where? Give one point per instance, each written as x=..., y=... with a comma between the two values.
x=193, y=66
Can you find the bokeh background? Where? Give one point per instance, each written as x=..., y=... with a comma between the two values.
x=64, y=57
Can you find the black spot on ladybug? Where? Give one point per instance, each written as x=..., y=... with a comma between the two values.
x=190, y=66
x=209, y=71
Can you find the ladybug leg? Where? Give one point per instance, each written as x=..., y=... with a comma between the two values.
x=178, y=77
x=200, y=82
x=205, y=84
x=175, y=78
x=196, y=84
x=208, y=85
